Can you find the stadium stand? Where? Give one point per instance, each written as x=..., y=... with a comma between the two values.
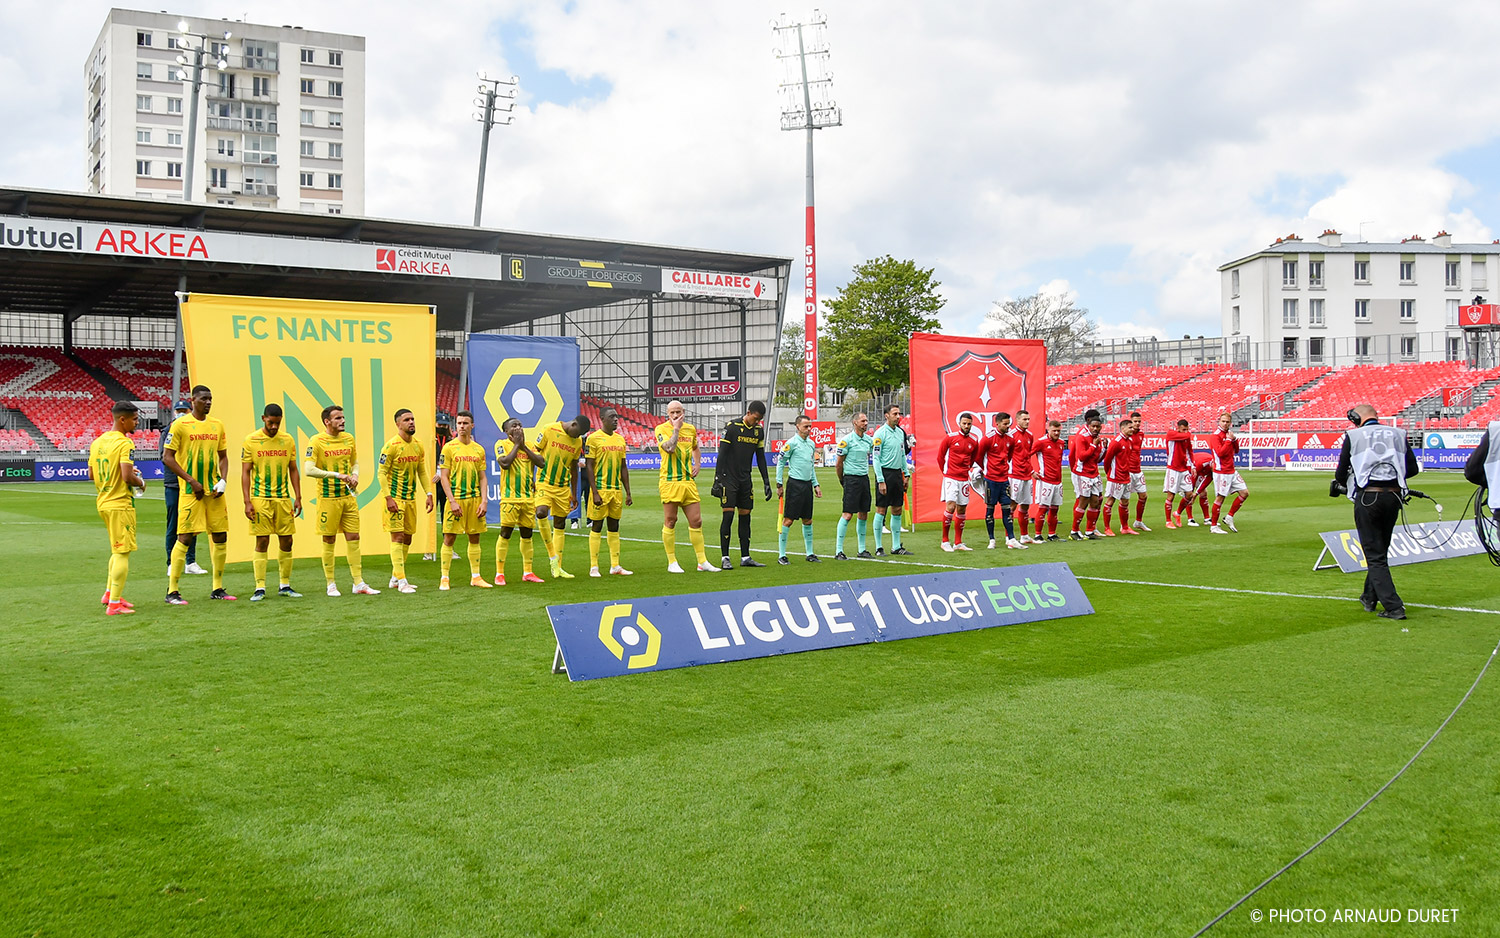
x=1200, y=400
x=1059, y=375
x=447, y=385
x=17, y=441
x=1390, y=389
x=146, y=373
x=57, y=396
x=1118, y=380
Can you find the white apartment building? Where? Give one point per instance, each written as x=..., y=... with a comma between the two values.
x=1326, y=302
x=281, y=126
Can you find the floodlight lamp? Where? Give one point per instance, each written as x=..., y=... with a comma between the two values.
x=483, y=74
x=182, y=26
x=223, y=63
x=515, y=79
x=227, y=34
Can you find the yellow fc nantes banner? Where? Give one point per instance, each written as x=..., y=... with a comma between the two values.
x=371, y=359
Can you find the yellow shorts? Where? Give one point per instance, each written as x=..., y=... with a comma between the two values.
x=520, y=514
x=338, y=515
x=195, y=515
x=404, y=519
x=120, y=523
x=613, y=504
x=557, y=499
x=272, y=516
x=679, y=493
x=470, y=519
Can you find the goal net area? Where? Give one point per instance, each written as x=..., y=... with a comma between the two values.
x=1299, y=443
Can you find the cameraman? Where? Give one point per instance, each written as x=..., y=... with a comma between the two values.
x=1483, y=467
x=1381, y=462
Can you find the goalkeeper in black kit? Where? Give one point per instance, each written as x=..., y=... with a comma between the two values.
x=743, y=440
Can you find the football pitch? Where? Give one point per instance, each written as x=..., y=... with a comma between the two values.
x=409, y=765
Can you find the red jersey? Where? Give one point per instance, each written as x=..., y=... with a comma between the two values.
x=1133, y=452
x=1116, y=460
x=1049, y=460
x=1223, y=449
x=1084, y=455
x=956, y=455
x=1020, y=453
x=1203, y=465
x=995, y=451
x=1179, y=450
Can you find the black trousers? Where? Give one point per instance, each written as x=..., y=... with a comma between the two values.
x=1375, y=516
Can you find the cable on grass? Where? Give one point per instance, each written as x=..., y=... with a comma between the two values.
x=1368, y=801
x=1486, y=526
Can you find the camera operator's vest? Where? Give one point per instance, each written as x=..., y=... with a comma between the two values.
x=1377, y=453
x=1492, y=466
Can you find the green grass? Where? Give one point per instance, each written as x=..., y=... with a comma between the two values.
x=408, y=765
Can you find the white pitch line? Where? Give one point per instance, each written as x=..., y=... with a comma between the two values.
x=33, y=489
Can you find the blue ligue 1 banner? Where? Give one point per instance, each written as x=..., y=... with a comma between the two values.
x=533, y=378
x=1410, y=543
x=607, y=639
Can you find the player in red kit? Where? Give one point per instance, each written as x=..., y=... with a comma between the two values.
x=1224, y=445
x=1116, y=466
x=994, y=451
x=1179, y=477
x=1084, y=454
x=1137, y=477
x=1202, y=477
x=955, y=458
x=1020, y=473
x=1047, y=482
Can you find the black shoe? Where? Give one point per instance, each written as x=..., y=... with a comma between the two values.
x=727, y=564
x=1368, y=604
x=782, y=561
x=289, y=593
x=865, y=555
x=837, y=556
x=1074, y=536
x=880, y=551
x=1053, y=537
x=901, y=551
x=750, y=562
x=814, y=558
x=174, y=598
x=221, y=593
x=1388, y=614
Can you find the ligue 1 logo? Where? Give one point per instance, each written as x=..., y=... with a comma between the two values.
x=972, y=382
x=630, y=635
x=385, y=259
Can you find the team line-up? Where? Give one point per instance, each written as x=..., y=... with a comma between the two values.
x=538, y=482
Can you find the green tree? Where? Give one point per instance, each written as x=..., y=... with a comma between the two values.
x=789, y=366
x=868, y=323
x=1051, y=317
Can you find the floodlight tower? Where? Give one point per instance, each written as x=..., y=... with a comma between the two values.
x=495, y=104
x=807, y=104
x=198, y=54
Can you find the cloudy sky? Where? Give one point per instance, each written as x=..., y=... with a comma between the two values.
x=1120, y=151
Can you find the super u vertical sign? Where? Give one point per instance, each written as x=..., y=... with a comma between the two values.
x=369, y=358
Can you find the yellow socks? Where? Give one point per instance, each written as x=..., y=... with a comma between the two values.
x=219, y=550
x=445, y=558
x=356, y=570
x=179, y=560
x=696, y=536
x=559, y=538
x=284, y=567
x=328, y=561
x=526, y=554
x=476, y=553
x=669, y=541
x=119, y=568
x=257, y=561
x=398, y=560
x=502, y=547
x=614, y=548
x=593, y=548
x=545, y=526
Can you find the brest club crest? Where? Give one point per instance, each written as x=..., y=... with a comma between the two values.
x=982, y=384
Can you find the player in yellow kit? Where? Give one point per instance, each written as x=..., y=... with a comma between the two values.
x=461, y=474
x=112, y=470
x=333, y=463
x=197, y=453
x=560, y=445
x=403, y=469
x=607, y=484
x=680, y=457
x=518, y=465
x=273, y=497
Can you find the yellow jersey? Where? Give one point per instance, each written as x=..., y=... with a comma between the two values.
x=403, y=467
x=517, y=483
x=108, y=457
x=607, y=450
x=465, y=465
x=270, y=459
x=561, y=453
x=676, y=463
x=333, y=454
x=197, y=444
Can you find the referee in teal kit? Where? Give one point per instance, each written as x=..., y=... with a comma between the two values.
x=796, y=464
x=853, y=469
x=892, y=443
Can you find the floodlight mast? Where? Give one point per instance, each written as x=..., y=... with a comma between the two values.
x=799, y=113
x=496, y=96
x=197, y=48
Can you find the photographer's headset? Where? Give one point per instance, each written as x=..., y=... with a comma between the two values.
x=1354, y=417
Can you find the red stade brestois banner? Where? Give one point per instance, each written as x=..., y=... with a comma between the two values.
x=953, y=374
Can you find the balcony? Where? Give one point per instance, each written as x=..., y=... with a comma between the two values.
x=261, y=159
x=259, y=188
x=225, y=123
x=215, y=156
x=254, y=63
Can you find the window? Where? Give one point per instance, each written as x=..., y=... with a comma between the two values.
x=1408, y=310
x=1450, y=274
x=174, y=105
x=1408, y=346
x=1288, y=350
x=1289, y=312
x=1408, y=271
x=335, y=58
x=226, y=147
x=143, y=102
x=218, y=178
x=1362, y=271
x=305, y=179
x=335, y=210
x=1476, y=274
x=172, y=43
x=305, y=148
x=142, y=135
x=335, y=119
x=1361, y=346
x=1289, y=273
x=1452, y=312
x=143, y=39
x=307, y=86
x=174, y=170
x=1315, y=273
x=307, y=56
x=1234, y=283
x=335, y=151
x=1315, y=351
x=1234, y=319
x=260, y=87
x=307, y=118
x=1361, y=310
x=174, y=138
x=335, y=180
x=143, y=70
x=1455, y=348
x=143, y=167
x=1315, y=312
x=305, y=206
x=335, y=89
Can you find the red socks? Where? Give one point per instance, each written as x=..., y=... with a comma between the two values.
x=1093, y=517
x=958, y=529
x=1023, y=524
x=1238, y=501
x=1077, y=513
x=1216, y=513
x=947, y=523
x=1052, y=520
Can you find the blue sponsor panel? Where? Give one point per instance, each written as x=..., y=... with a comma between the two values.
x=605, y=639
x=652, y=461
x=1443, y=458
x=70, y=471
x=1410, y=543
x=956, y=601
